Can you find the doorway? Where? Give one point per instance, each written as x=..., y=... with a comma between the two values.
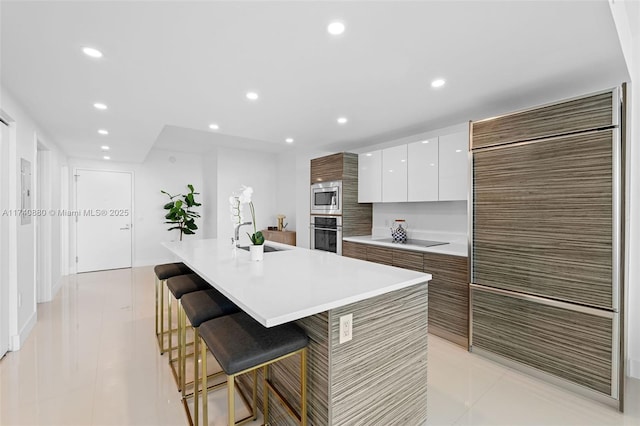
x=4, y=238
x=103, y=218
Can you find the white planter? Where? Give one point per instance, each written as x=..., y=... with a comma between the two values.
x=257, y=252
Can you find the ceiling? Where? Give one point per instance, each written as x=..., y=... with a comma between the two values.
x=172, y=68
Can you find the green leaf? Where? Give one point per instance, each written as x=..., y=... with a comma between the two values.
x=190, y=187
x=168, y=206
x=178, y=204
x=188, y=231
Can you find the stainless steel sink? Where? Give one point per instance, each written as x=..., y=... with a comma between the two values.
x=267, y=249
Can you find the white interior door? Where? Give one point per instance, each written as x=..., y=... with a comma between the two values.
x=104, y=219
x=4, y=239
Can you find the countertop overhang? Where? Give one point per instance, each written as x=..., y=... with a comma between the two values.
x=292, y=283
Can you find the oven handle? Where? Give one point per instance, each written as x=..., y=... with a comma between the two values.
x=338, y=229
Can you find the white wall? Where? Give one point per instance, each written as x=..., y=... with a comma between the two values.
x=627, y=19
x=258, y=170
x=161, y=170
x=286, y=195
x=210, y=193
x=431, y=220
x=25, y=134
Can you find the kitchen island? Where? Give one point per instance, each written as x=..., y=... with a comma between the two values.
x=378, y=377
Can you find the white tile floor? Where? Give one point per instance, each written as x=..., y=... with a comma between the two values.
x=93, y=359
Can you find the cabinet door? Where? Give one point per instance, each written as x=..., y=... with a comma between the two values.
x=370, y=177
x=422, y=170
x=394, y=174
x=380, y=255
x=355, y=250
x=327, y=168
x=453, y=166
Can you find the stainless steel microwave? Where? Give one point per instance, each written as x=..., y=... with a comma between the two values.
x=326, y=198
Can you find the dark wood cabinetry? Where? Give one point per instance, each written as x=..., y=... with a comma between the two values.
x=547, y=283
x=328, y=168
x=284, y=237
x=357, y=217
x=448, y=288
x=448, y=296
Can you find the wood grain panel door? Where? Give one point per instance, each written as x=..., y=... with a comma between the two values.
x=577, y=115
x=327, y=168
x=576, y=346
x=448, y=296
x=542, y=218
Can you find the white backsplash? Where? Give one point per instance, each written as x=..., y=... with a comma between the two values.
x=440, y=221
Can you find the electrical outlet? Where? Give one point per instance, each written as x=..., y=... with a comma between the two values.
x=346, y=327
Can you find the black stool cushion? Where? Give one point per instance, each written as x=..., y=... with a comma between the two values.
x=201, y=306
x=239, y=342
x=183, y=284
x=169, y=270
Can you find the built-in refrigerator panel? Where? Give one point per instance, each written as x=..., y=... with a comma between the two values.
x=544, y=216
x=546, y=242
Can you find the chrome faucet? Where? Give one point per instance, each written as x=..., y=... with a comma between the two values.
x=237, y=231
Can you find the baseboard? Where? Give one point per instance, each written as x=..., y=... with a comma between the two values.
x=18, y=340
x=633, y=368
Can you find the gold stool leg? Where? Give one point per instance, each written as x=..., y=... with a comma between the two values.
x=157, y=311
x=255, y=394
x=196, y=377
x=204, y=393
x=265, y=394
x=169, y=315
x=303, y=386
x=231, y=381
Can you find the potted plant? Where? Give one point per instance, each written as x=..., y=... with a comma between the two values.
x=181, y=214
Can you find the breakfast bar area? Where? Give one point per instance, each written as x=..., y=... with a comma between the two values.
x=373, y=370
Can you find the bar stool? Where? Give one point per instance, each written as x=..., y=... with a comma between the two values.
x=242, y=345
x=198, y=307
x=163, y=273
x=179, y=286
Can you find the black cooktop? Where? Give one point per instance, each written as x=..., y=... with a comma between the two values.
x=421, y=243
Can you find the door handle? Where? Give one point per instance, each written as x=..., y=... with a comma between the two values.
x=125, y=229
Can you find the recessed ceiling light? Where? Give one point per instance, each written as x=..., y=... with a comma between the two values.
x=458, y=150
x=342, y=120
x=425, y=141
x=100, y=106
x=368, y=154
x=106, y=157
x=90, y=51
x=437, y=82
x=103, y=132
x=214, y=126
x=289, y=140
x=252, y=96
x=105, y=148
x=335, y=28
x=403, y=161
x=432, y=164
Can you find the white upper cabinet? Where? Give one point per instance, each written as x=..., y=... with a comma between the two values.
x=434, y=169
x=422, y=174
x=453, y=166
x=370, y=177
x=394, y=174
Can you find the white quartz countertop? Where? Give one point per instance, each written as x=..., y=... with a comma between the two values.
x=454, y=249
x=290, y=284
